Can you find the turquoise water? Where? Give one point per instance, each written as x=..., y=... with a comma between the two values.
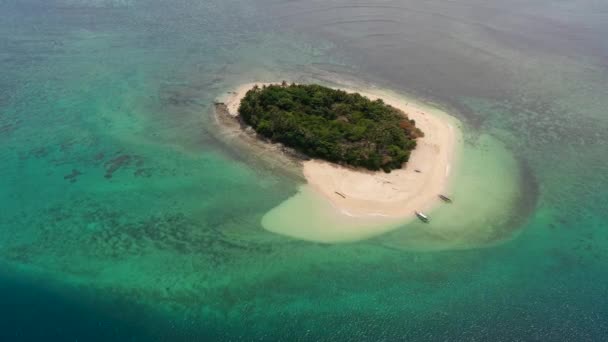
x=125, y=217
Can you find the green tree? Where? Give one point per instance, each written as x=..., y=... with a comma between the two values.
x=331, y=124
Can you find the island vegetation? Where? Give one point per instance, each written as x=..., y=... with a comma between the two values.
x=340, y=127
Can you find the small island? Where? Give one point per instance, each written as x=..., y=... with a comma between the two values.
x=368, y=166
x=330, y=124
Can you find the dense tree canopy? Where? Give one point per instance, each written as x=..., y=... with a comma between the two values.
x=331, y=124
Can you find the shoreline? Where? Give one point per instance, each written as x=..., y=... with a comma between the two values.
x=358, y=193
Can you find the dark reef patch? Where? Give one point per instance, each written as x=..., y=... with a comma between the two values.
x=146, y=173
x=72, y=177
x=39, y=152
x=99, y=156
x=122, y=161
x=7, y=129
x=67, y=145
x=98, y=232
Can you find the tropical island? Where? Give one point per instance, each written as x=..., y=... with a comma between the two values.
x=368, y=165
x=331, y=124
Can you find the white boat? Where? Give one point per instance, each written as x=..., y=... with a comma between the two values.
x=422, y=217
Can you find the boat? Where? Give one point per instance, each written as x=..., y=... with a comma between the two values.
x=445, y=198
x=422, y=217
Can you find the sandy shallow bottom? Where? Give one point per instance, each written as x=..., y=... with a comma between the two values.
x=485, y=189
x=380, y=203
x=487, y=193
x=309, y=215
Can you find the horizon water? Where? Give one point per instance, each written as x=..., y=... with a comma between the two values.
x=125, y=216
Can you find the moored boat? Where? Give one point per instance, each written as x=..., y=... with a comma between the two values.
x=445, y=198
x=422, y=217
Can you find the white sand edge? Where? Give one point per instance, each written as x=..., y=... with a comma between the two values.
x=389, y=195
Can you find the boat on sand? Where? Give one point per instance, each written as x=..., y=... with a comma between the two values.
x=445, y=198
x=422, y=217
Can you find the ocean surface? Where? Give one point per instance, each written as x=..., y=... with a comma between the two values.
x=125, y=216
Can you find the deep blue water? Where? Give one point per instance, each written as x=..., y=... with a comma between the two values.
x=32, y=312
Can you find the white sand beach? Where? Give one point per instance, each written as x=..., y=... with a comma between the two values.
x=395, y=195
